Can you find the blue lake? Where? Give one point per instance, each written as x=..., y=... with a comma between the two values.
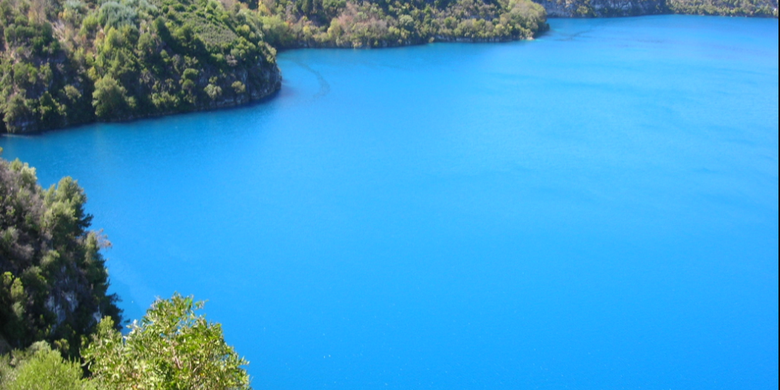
x=595, y=209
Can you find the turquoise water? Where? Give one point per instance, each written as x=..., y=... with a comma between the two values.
x=596, y=209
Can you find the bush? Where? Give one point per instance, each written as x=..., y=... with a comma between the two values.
x=113, y=14
x=172, y=348
x=41, y=368
x=109, y=98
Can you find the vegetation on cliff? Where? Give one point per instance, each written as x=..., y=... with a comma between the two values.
x=766, y=8
x=612, y=8
x=53, y=294
x=66, y=62
x=345, y=23
x=54, y=280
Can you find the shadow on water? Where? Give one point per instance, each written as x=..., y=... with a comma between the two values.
x=563, y=31
x=324, y=86
x=565, y=37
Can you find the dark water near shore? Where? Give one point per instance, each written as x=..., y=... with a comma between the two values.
x=596, y=209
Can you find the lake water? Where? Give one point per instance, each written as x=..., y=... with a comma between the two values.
x=596, y=209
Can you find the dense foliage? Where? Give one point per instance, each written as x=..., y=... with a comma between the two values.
x=724, y=7
x=65, y=62
x=610, y=8
x=171, y=348
x=40, y=368
x=54, y=279
x=348, y=23
x=53, y=294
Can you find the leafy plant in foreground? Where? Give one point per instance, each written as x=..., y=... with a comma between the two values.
x=171, y=348
x=40, y=368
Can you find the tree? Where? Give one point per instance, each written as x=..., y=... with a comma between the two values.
x=171, y=348
x=109, y=98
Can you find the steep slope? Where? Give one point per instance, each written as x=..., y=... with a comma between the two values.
x=53, y=280
x=70, y=62
x=382, y=23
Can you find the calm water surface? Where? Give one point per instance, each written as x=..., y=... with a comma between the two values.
x=597, y=209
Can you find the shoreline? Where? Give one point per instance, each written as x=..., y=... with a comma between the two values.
x=266, y=95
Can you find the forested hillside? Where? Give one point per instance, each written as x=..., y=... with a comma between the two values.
x=54, y=280
x=766, y=8
x=66, y=62
x=608, y=8
x=70, y=61
x=343, y=23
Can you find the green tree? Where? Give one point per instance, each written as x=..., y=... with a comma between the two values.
x=171, y=348
x=109, y=98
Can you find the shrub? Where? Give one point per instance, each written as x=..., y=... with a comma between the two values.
x=172, y=347
x=44, y=369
